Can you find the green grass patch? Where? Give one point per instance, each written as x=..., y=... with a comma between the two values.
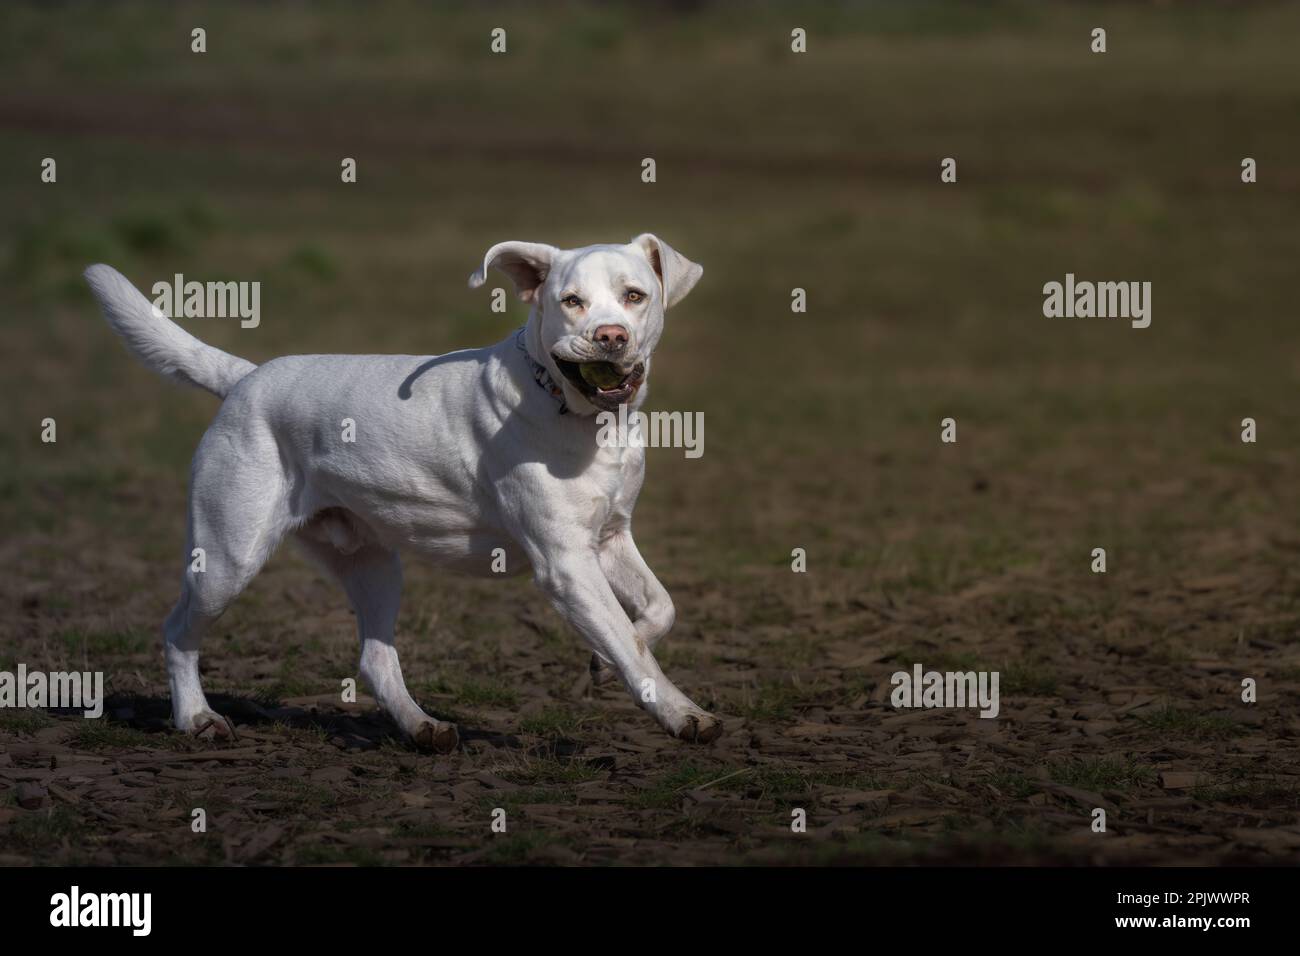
x=666, y=793
x=43, y=829
x=560, y=722
x=514, y=849
x=102, y=735
x=512, y=801
x=301, y=795
x=774, y=700
x=473, y=692
x=24, y=721
x=1101, y=773
x=787, y=784
x=1179, y=722
x=1028, y=680
x=551, y=771
x=313, y=261
x=1015, y=785
x=97, y=644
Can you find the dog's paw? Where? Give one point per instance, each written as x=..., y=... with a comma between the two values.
x=209, y=725
x=601, y=673
x=438, y=738
x=700, y=728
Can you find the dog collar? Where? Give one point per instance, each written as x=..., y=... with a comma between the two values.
x=541, y=376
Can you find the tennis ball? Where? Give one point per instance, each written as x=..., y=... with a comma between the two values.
x=600, y=375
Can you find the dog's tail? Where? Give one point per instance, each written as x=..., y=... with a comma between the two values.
x=160, y=343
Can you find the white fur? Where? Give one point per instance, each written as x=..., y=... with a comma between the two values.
x=455, y=456
x=163, y=346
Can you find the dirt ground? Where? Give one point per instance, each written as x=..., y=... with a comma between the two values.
x=1119, y=691
x=585, y=778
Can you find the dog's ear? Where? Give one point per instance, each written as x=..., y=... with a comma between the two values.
x=677, y=273
x=526, y=263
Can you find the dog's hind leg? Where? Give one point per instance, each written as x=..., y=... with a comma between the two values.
x=372, y=579
x=182, y=633
x=238, y=514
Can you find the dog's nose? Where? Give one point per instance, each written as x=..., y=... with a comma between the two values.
x=611, y=337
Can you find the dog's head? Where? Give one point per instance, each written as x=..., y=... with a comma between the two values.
x=598, y=311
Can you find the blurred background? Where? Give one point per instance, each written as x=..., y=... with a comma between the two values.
x=775, y=170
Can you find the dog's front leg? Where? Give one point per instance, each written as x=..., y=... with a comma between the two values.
x=639, y=592
x=576, y=585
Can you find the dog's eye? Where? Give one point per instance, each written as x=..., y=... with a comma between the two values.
x=635, y=295
x=572, y=301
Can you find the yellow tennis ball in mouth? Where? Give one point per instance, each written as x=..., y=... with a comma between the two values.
x=601, y=375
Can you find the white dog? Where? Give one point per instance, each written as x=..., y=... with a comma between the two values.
x=452, y=457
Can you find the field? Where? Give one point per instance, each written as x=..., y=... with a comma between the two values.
x=776, y=171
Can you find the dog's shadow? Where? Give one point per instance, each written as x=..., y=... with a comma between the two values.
x=345, y=729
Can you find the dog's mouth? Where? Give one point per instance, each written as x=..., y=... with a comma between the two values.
x=604, y=384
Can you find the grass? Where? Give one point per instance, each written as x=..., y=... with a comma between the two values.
x=54, y=825
x=302, y=796
x=666, y=791
x=472, y=692
x=783, y=785
x=513, y=801
x=313, y=261
x=279, y=689
x=1027, y=679
x=96, y=644
x=1013, y=784
x=549, y=770
x=99, y=735
x=1181, y=723
x=508, y=849
x=24, y=721
x=560, y=722
x=313, y=731
x=1101, y=773
x=773, y=700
